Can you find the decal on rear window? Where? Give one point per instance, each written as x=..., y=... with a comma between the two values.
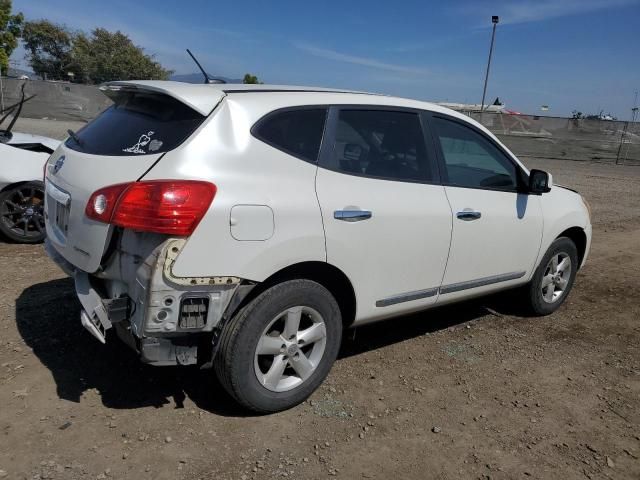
x=155, y=145
x=143, y=141
x=158, y=123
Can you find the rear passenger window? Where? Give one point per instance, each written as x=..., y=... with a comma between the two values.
x=383, y=144
x=471, y=160
x=297, y=132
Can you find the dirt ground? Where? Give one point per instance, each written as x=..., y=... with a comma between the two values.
x=470, y=391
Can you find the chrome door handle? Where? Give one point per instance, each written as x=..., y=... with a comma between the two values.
x=352, y=215
x=468, y=215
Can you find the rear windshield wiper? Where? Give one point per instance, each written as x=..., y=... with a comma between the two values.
x=75, y=136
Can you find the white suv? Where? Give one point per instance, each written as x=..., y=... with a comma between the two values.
x=243, y=227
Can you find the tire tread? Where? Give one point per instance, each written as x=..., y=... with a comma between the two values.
x=225, y=360
x=534, y=303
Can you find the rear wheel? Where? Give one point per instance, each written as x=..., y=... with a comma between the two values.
x=22, y=213
x=553, y=278
x=280, y=347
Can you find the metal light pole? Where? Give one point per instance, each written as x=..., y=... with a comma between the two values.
x=494, y=20
x=634, y=112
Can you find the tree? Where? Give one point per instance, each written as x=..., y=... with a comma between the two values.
x=10, y=30
x=104, y=56
x=48, y=48
x=250, y=79
x=101, y=56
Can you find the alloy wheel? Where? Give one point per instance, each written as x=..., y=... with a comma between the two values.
x=22, y=212
x=290, y=348
x=556, y=277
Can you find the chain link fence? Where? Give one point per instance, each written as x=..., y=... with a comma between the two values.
x=566, y=138
x=526, y=135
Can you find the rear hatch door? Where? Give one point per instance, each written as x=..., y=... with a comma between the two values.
x=80, y=240
x=119, y=146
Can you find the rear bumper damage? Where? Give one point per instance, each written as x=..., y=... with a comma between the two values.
x=168, y=320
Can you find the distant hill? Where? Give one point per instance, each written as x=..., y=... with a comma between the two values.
x=198, y=78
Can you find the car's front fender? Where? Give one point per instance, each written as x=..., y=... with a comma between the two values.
x=563, y=209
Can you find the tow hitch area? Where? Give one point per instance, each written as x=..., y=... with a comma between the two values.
x=117, y=309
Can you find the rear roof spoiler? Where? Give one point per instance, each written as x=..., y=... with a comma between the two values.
x=202, y=98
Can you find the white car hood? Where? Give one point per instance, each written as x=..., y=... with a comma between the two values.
x=21, y=138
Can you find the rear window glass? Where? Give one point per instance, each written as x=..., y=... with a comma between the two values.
x=296, y=132
x=138, y=123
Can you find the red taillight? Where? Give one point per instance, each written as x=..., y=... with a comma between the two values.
x=102, y=203
x=174, y=207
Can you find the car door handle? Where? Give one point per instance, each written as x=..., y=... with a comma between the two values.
x=352, y=215
x=468, y=215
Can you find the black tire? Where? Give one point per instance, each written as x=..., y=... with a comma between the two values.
x=22, y=213
x=236, y=353
x=534, y=292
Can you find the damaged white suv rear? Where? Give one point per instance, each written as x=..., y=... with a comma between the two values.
x=243, y=227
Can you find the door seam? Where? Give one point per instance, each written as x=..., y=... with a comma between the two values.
x=446, y=266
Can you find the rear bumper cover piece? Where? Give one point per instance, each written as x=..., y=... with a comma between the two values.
x=93, y=316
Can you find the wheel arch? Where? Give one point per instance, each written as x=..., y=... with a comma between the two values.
x=9, y=186
x=579, y=237
x=327, y=275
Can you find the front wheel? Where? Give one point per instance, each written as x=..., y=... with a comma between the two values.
x=553, y=278
x=22, y=213
x=278, y=349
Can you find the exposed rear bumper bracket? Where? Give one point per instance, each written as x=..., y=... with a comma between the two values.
x=118, y=309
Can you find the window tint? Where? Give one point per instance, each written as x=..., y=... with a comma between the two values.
x=297, y=132
x=471, y=160
x=137, y=124
x=381, y=144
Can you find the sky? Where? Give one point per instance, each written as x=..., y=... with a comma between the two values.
x=567, y=54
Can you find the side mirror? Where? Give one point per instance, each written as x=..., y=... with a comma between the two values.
x=539, y=182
